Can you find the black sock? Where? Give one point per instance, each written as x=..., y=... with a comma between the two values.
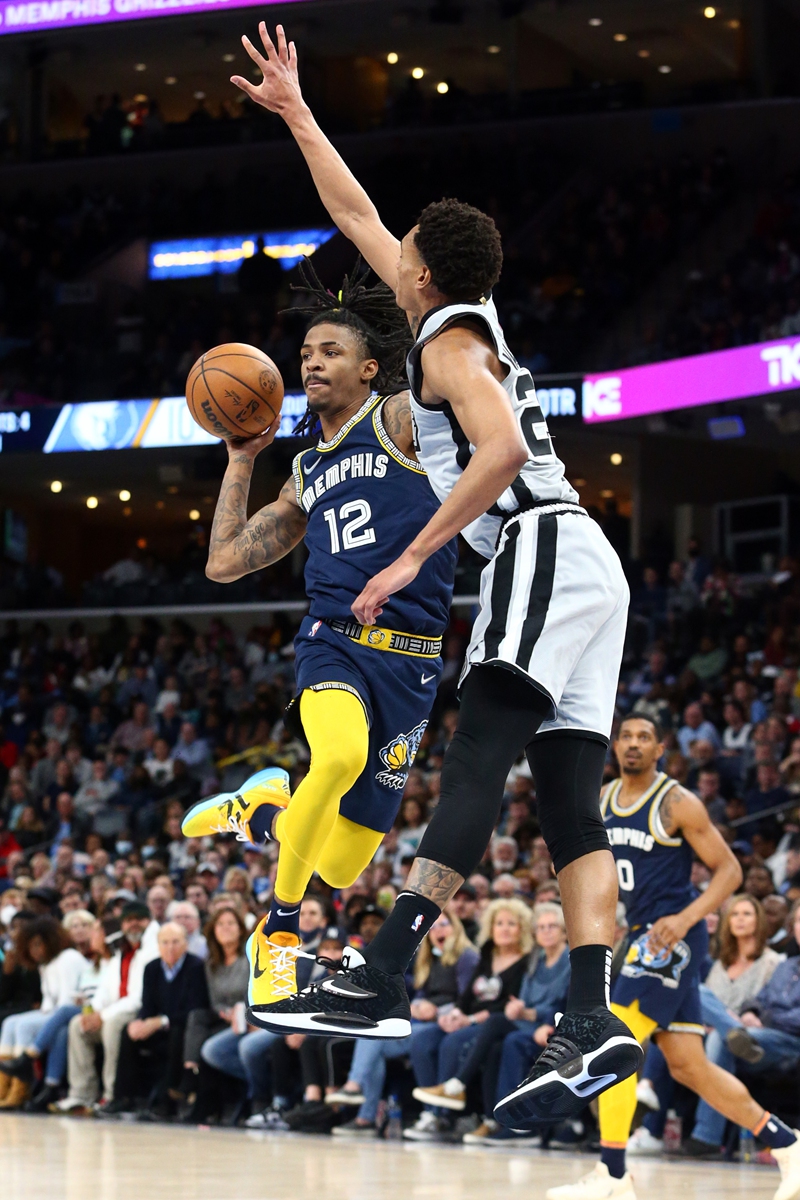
x=590, y=977
x=396, y=942
x=261, y=823
x=614, y=1158
x=283, y=918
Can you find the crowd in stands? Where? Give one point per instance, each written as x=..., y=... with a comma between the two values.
x=562, y=282
x=123, y=979
x=755, y=298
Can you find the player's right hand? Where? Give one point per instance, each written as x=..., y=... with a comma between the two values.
x=250, y=447
x=279, y=90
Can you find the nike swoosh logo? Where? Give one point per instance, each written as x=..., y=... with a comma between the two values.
x=291, y=913
x=313, y=466
x=258, y=971
x=427, y=678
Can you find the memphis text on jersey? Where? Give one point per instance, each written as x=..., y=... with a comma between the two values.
x=357, y=466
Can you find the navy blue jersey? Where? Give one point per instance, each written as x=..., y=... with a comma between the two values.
x=366, y=502
x=654, y=870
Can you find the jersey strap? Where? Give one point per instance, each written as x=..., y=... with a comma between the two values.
x=388, y=444
x=654, y=819
x=378, y=638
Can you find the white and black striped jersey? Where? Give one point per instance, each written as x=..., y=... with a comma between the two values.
x=444, y=450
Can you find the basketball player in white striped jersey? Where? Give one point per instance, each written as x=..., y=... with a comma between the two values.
x=541, y=670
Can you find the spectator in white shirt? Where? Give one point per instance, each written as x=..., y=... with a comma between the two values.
x=159, y=765
x=97, y=792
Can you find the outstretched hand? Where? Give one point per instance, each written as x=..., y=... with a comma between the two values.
x=394, y=578
x=279, y=90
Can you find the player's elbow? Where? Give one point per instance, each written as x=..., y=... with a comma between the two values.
x=219, y=572
x=737, y=874
x=512, y=458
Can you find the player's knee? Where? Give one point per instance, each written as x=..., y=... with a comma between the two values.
x=342, y=763
x=685, y=1067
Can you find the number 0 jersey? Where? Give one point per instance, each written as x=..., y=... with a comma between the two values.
x=654, y=869
x=365, y=503
x=444, y=450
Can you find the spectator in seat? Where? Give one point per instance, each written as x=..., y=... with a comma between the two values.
x=174, y=984
x=737, y=731
x=707, y=789
x=97, y=792
x=159, y=764
x=465, y=906
x=506, y=941
x=43, y=944
x=192, y=750
x=776, y=912
x=132, y=735
x=117, y=999
x=695, y=726
x=767, y=1034
x=44, y=771
x=443, y=968
x=185, y=913
x=768, y=792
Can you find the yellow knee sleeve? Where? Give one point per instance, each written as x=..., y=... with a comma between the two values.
x=618, y=1105
x=336, y=727
x=348, y=851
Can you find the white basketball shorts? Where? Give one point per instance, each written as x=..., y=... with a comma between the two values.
x=554, y=608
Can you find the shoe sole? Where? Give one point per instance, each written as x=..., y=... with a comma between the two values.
x=325, y=1024
x=743, y=1046
x=345, y=1098
x=205, y=806
x=564, y=1093
x=437, y=1101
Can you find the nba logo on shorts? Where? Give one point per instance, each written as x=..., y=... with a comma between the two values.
x=415, y=924
x=314, y=628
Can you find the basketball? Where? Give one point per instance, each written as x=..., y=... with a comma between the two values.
x=234, y=391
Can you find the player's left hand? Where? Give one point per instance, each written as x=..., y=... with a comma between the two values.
x=369, y=604
x=667, y=931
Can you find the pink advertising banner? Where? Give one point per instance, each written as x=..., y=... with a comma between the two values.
x=687, y=382
x=66, y=14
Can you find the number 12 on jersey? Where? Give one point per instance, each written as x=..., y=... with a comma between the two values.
x=353, y=532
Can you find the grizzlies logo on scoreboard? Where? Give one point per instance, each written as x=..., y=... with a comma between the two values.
x=666, y=965
x=398, y=756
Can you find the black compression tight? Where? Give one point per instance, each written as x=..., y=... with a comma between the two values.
x=500, y=713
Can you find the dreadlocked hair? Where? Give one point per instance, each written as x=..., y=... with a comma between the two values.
x=371, y=313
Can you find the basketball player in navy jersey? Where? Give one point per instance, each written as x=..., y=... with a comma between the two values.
x=364, y=694
x=656, y=828
x=541, y=669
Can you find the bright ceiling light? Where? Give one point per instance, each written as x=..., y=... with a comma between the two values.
x=140, y=67
x=194, y=514
x=56, y=486
x=392, y=57
x=643, y=53
x=607, y=494
x=595, y=21
x=443, y=88
x=199, y=95
x=92, y=502
x=170, y=80
x=124, y=495
x=228, y=57
x=664, y=69
x=417, y=73
x=616, y=459
x=710, y=12
x=492, y=49
x=620, y=37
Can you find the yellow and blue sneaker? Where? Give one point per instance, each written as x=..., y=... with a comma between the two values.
x=273, y=974
x=230, y=812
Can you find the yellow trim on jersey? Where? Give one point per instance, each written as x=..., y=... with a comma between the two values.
x=338, y=438
x=389, y=446
x=643, y=799
x=685, y=1027
x=612, y=789
x=655, y=819
x=297, y=471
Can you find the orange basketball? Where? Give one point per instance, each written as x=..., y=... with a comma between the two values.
x=234, y=391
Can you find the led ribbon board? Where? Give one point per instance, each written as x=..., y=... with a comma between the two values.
x=755, y=370
x=224, y=255
x=66, y=14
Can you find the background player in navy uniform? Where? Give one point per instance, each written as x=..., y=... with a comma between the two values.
x=364, y=694
x=656, y=827
x=542, y=666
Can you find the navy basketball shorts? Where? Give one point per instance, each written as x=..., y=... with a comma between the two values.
x=666, y=983
x=397, y=692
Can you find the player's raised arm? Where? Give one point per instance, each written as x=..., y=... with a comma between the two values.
x=237, y=546
x=350, y=207
x=682, y=812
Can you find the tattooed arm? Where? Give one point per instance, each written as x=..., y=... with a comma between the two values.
x=684, y=815
x=238, y=546
x=396, y=417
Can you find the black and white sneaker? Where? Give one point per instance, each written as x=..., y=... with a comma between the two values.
x=589, y=1052
x=357, y=1001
